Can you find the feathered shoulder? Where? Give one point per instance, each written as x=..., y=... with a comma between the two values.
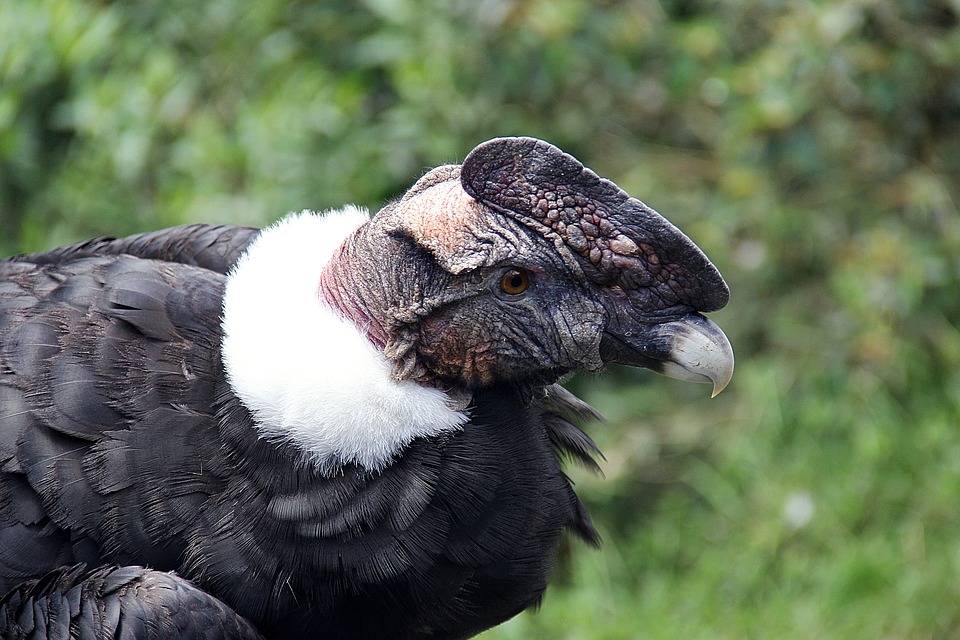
x=210, y=246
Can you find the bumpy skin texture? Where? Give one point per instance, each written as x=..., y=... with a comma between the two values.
x=618, y=241
x=121, y=442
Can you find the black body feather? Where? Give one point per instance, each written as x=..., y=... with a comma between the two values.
x=125, y=443
x=125, y=603
x=121, y=443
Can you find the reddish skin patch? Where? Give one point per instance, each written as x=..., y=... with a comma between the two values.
x=443, y=219
x=453, y=356
x=333, y=292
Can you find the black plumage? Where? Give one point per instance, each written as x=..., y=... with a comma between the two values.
x=123, y=442
x=125, y=603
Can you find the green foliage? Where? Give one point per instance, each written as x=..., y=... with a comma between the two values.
x=812, y=148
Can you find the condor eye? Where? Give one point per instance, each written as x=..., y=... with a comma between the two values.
x=515, y=281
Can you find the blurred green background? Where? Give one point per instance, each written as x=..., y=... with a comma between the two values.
x=811, y=148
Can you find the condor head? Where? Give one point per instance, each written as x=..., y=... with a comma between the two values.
x=523, y=265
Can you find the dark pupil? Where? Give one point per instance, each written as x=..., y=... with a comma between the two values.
x=516, y=281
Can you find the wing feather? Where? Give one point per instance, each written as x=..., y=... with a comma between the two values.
x=126, y=603
x=212, y=247
x=108, y=440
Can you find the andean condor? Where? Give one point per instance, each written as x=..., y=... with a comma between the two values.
x=337, y=427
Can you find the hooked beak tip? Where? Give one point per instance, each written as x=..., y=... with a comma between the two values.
x=692, y=348
x=721, y=384
x=703, y=352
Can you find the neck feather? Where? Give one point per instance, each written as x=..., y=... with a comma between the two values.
x=310, y=367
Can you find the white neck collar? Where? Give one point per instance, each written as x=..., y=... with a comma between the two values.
x=307, y=375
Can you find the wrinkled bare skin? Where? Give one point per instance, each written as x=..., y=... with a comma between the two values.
x=598, y=261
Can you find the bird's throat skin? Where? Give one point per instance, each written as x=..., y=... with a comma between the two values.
x=342, y=286
x=375, y=280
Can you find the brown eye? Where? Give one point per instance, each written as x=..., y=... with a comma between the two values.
x=515, y=281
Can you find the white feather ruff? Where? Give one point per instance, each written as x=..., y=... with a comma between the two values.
x=307, y=375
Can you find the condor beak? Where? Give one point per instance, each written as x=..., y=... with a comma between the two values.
x=691, y=348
